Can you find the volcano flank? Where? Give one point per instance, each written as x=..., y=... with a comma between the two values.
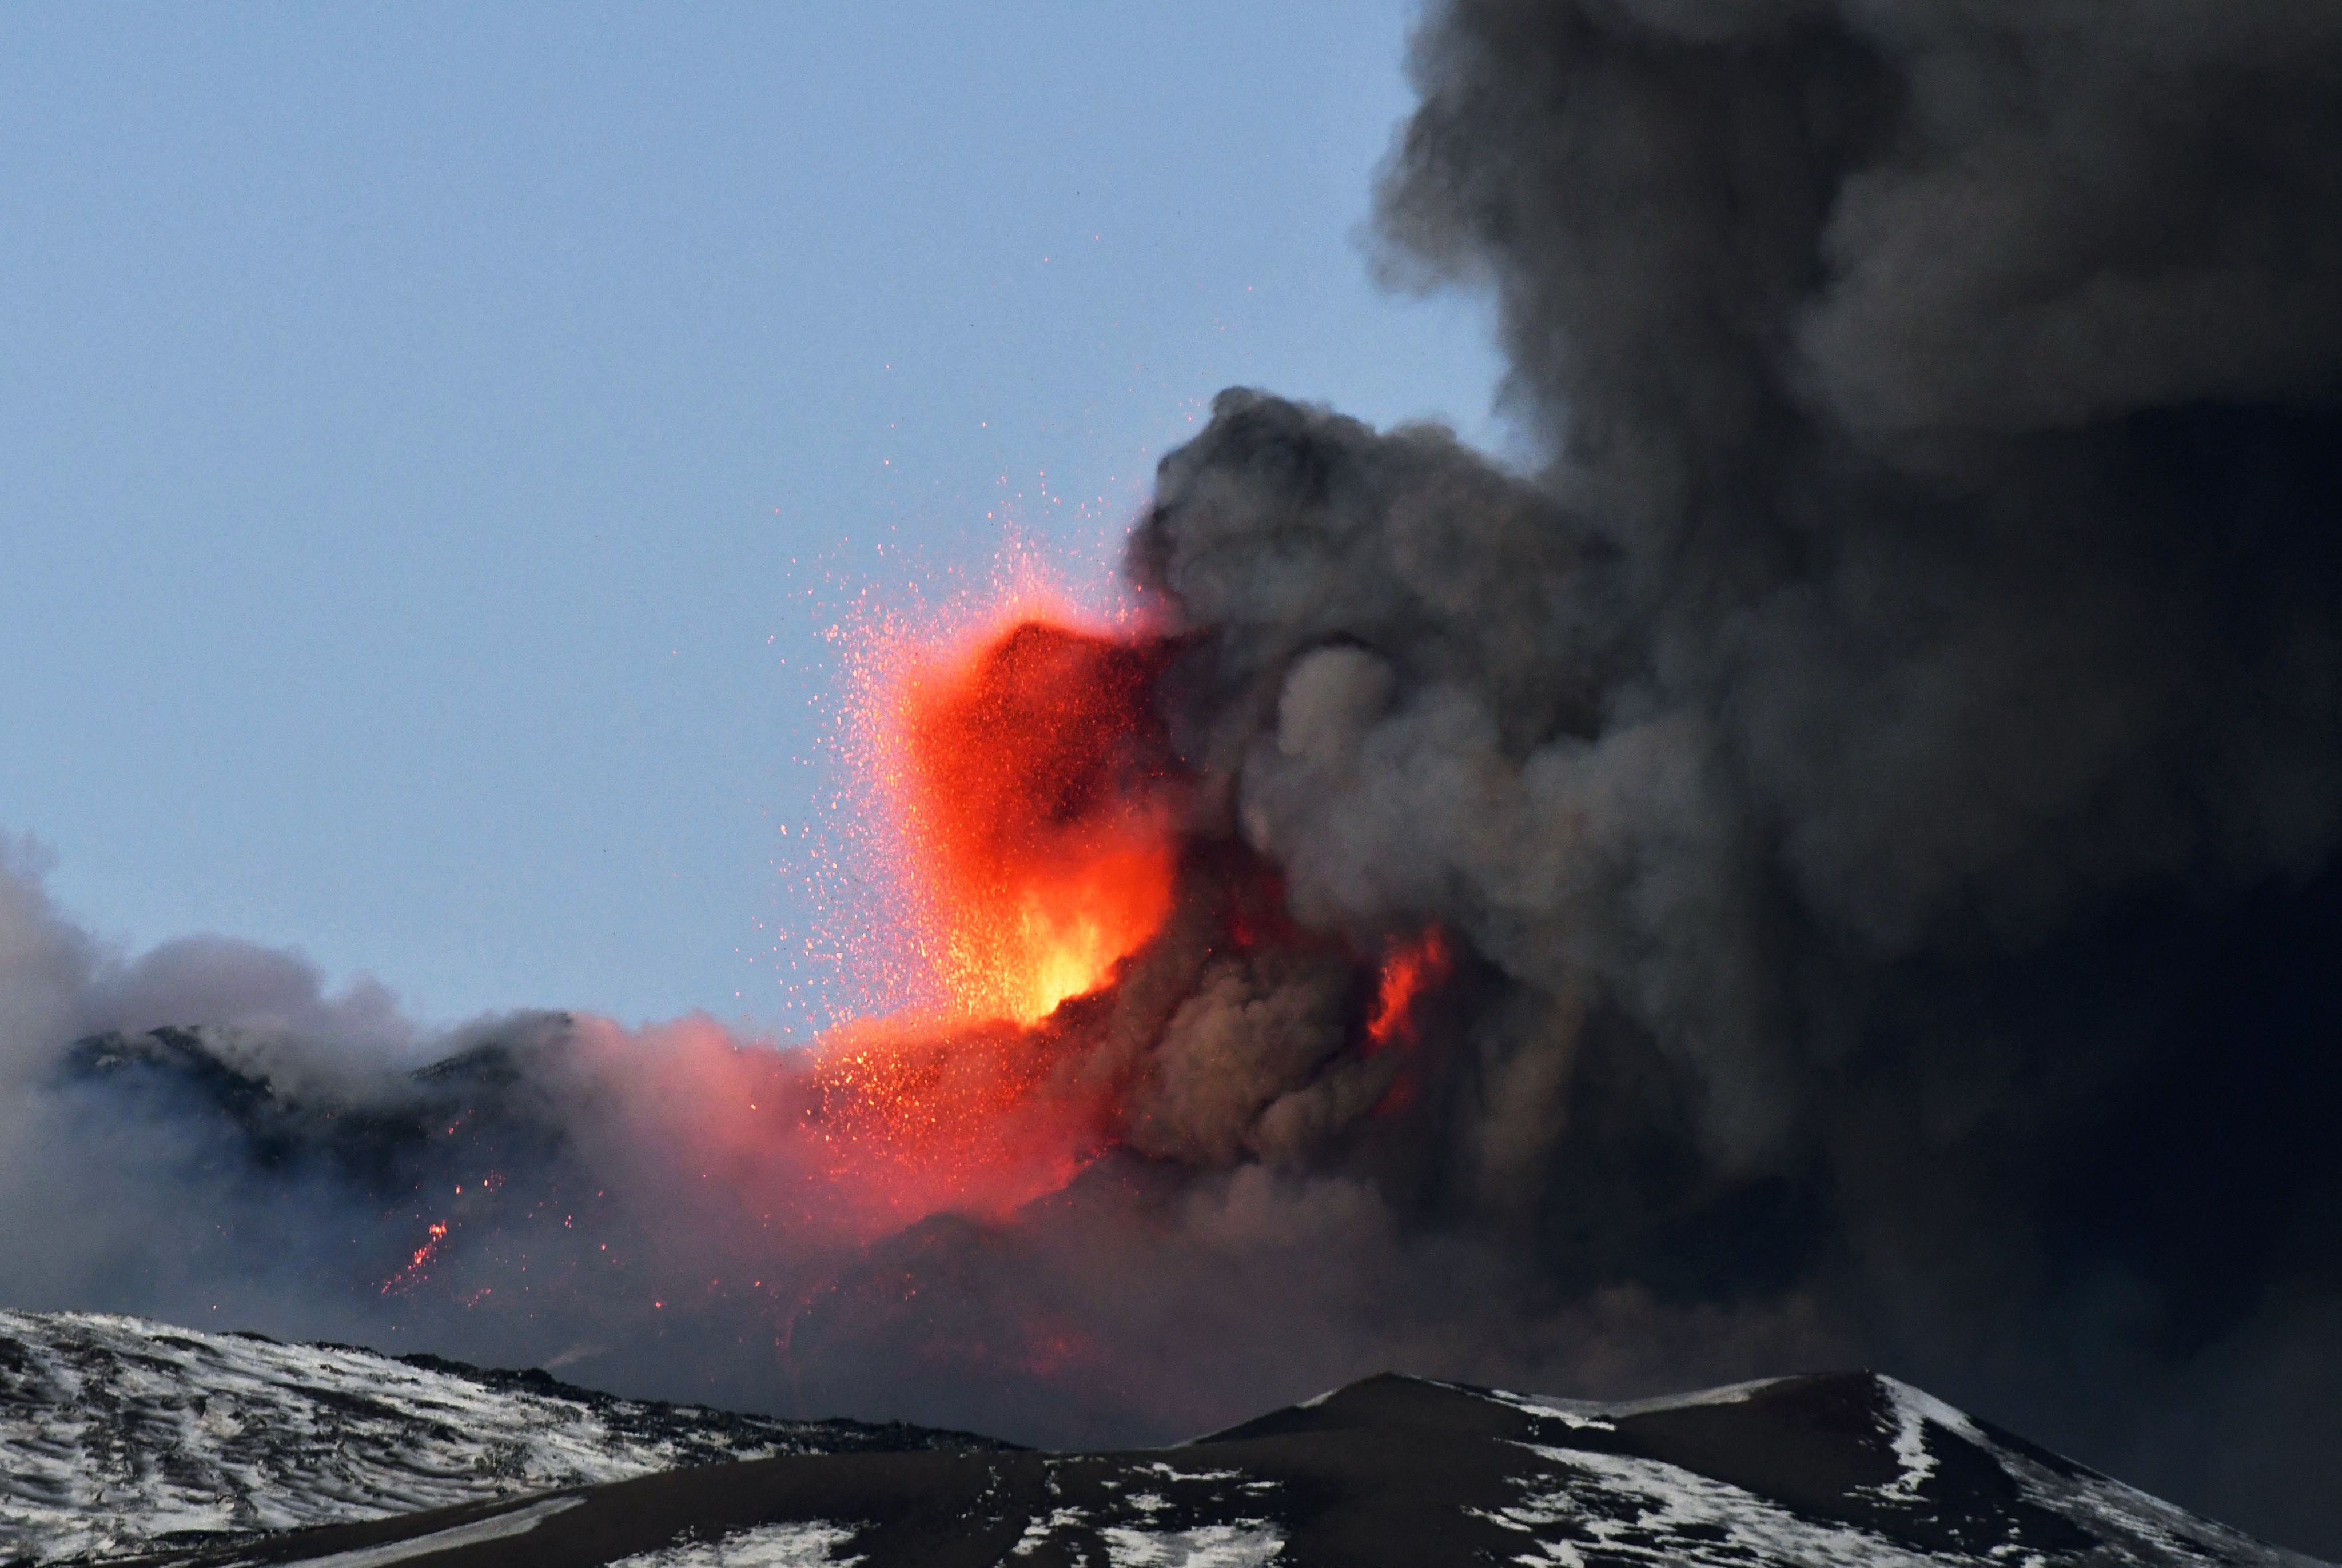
x=1838, y=1469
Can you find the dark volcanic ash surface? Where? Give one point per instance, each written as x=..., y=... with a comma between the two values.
x=1835, y=1470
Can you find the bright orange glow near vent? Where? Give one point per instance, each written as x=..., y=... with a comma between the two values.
x=1033, y=789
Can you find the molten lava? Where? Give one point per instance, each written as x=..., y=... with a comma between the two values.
x=982, y=1119
x=1033, y=781
x=1027, y=802
x=1412, y=969
x=414, y=1273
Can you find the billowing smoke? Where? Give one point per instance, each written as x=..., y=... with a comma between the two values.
x=1888, y=763
x=1861, y=818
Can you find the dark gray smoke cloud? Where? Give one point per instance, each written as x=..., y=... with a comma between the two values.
x=1880, y=779
x=1890, y=760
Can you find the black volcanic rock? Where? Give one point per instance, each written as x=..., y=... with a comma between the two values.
x=374, y=1134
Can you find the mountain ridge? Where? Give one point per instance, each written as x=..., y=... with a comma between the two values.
x=118, y=1434
x=433, y=1460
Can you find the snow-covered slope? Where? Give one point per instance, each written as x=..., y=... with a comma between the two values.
x=1854, y=1470
x=119, y=1435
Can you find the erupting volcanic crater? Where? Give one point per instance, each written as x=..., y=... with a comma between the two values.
x=1066, y=920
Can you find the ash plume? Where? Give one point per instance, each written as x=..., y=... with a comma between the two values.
x=1875, y=785
x=1888, y=759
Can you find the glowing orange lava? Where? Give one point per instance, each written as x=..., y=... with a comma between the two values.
x=1031, y=777
x=1412, y=969
x=1023, y=809
x=412, y=1273
x=982, y=1119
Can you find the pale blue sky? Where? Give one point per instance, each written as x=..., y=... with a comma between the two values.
x=410, y=416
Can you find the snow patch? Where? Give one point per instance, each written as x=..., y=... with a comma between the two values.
x=1246, y=1543
x=1038, y=1531
x=1174, y=1473
x=1913, y=1411
x=1612, y=1509
x=1601, y=1415
x=496, y=1527
x=1576, y=1412
x=812, y=1543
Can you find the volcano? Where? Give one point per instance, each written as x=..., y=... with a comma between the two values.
x=1828, y=854
x=1831, y=1469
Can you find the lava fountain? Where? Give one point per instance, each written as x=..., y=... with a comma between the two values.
x=1055, y=908
x=1076, y=943
x=1035, y=785
x=1029, y=804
